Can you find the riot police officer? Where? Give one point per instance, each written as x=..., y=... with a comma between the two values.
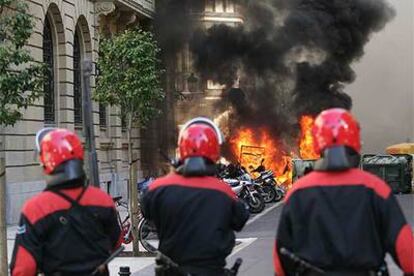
x=339, y=218
x=70, y=228
x=194, y=212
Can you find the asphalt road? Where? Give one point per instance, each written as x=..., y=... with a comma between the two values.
x=258, y=239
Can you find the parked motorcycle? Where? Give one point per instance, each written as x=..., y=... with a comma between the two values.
x=244, y=187
x=246, y=191
x=266, y=178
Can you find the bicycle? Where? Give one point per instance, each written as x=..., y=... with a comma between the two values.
x=124, y=224
x=147, y=233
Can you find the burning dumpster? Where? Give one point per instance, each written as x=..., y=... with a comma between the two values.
x=396, y=170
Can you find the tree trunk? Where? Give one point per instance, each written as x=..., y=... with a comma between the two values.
x=3, y=222
x=133, y=192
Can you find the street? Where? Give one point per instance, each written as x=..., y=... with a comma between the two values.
x=258, y=238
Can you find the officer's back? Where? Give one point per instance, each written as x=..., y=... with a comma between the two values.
x=339, y=218
x=194, y=212
x=70, y=228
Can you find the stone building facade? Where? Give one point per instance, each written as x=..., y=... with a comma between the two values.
x=66, y=32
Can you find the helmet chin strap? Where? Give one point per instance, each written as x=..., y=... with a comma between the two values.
x=338, y=158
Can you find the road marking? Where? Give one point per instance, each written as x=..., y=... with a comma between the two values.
x=264, y=213
x=244, y=243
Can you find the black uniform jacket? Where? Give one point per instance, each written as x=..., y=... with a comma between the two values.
x=195, y=218
x=343, y=221
x=46, y=242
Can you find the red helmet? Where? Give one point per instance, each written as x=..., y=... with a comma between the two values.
x=200, y=137
x=57, y=146
x=336, y=127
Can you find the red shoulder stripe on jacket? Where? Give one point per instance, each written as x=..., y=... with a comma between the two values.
x=25, y=264
x=353, y=177
x=43, y=204
x=405, y=249
x=206, y=182
x=276, y=262
x=47, y=202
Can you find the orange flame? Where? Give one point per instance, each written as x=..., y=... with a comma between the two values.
x=251, y=146
x=306, y=148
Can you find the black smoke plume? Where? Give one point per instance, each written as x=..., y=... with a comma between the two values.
x=298, y=52
x=273, y=29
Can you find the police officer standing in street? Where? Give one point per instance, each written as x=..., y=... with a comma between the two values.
x=195, y=213
x=338, y=218
x=70, y=228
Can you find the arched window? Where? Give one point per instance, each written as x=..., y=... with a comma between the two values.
x=49, y=84
x=77, y=80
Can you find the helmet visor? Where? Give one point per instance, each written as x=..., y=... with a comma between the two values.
x=39, y=136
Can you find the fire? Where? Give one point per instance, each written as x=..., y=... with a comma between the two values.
x=251, y=146
x=306, y=140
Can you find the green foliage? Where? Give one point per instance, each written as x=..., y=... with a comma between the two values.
x=21, y=78
x=130, y=75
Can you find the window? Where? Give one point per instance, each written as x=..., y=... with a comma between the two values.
x=210, y=5
x=49, y=84
x=214, y=85
x=229, y=6
x=219, y=6
x=77, y=81
x=102, y=115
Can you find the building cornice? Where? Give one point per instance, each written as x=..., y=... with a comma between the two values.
x=143, y=7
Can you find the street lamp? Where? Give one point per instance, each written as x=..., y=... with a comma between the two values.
x=192, y=82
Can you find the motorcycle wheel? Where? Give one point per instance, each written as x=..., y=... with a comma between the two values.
x=279, y=196
x=256, y=203
x=270, y=193
x=279, y=192
x=148, y=236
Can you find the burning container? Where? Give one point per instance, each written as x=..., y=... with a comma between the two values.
x=395, y=170
x=251, y=156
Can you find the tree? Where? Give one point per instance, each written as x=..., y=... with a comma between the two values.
x=129, y=77
x=21, y=77
x=21, y=81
